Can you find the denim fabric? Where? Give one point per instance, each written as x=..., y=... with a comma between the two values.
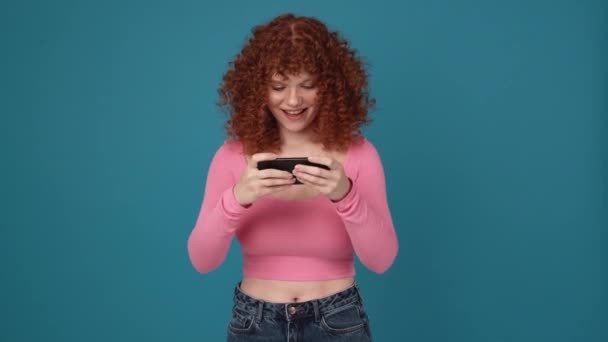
x=339, y=317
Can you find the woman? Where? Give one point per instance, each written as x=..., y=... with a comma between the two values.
x=296, y=90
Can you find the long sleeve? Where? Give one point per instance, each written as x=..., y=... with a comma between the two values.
x=218, y=218
x=366, y=214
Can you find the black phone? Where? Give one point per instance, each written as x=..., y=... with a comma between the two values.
x=287, y=164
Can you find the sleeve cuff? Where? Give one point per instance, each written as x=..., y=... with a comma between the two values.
x=348, y=202
x=230, y=206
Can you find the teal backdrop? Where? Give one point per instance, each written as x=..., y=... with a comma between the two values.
x=491, y=121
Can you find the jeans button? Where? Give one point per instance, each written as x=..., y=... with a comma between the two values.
x=292, y=310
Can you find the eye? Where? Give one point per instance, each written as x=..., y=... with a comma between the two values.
x=277, y=88
x=308, y=86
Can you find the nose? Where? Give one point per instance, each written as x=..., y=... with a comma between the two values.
x=294, y=99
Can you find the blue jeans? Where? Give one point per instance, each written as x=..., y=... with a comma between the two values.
x=339, y=317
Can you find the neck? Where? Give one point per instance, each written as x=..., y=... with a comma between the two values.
x=291, y=139
x=300, y=144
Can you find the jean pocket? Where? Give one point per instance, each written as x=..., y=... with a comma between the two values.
x=344, y=320
x=241, y=322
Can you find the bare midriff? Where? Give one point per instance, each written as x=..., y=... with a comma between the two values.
x=284, y=291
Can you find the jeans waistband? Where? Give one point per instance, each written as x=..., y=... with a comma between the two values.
x=291, y=311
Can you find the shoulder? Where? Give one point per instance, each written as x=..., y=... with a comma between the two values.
x=362, y=148
x=232, y=146
x=362, y=156
x=230, y=150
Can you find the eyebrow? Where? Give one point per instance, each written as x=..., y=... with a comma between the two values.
x=310, y=79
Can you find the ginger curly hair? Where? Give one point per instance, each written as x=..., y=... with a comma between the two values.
x=287, y=45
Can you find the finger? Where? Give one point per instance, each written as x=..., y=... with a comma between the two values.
x=313, y=170
x=273, y=182
x=273, y=173
x=329, y=162
x=253, y=162
x=313, y=185
x=310, y=179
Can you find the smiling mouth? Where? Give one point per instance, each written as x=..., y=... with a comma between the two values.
x=294, y=112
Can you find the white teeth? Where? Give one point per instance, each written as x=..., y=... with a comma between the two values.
x=294, y=112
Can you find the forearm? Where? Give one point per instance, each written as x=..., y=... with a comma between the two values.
x=210, y=239
x=370, y=229
x=220, y=213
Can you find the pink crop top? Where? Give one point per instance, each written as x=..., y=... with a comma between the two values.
x=308, y=239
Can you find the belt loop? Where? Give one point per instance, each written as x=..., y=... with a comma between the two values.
x=315, y=306
x=258, y=315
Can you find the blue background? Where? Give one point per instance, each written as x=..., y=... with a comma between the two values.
x=491, y=122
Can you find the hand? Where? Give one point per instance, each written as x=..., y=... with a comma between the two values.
x=255, y=183
x=333, y=182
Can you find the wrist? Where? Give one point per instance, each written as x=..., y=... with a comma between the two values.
x=350, y=187
x=235, y=193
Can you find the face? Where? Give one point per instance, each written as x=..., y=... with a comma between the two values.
x=292, y=99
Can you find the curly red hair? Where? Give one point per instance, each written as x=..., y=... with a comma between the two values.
x=287, y=45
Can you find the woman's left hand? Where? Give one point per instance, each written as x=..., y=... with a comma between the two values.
x=333, y=182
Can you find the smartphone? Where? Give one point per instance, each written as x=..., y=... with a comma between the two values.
x=287, y=164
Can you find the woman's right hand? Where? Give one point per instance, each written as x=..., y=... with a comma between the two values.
x=256, y=183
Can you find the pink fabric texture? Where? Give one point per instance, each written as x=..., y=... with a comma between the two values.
x=309, y=239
